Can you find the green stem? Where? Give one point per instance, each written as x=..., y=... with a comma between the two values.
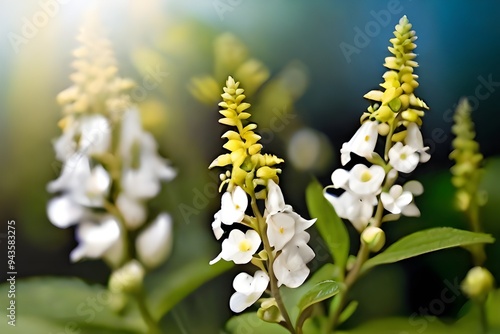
x=477, y=250
x=483, y=317
x=146, y=314
x=275, y=293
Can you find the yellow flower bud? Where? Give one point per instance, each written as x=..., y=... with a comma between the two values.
x=478, y=283
x=269, y=311
x=266, y=172
x=374, y=238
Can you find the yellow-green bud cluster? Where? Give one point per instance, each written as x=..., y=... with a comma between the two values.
x=397, y=102
x=96, y=87
x=466, y=171
x=245, y=151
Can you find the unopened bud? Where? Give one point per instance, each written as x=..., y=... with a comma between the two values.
x=374, y=238
x=269, y=311
x=128, y=278
x=478, y=283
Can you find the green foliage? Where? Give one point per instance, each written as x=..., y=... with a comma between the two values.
x=167, y=289
x=329, y=225
x=425, y=242
x=56, y=304
x=47, y=304
x=321, y=291
x=416, y=324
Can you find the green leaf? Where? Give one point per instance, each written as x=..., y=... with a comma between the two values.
x=329, y=225
x=249, y=323
x=291, y=297
x=319, y=292
x=425, y=242
x=59, y=305
x=169, y=288
x=348, y=311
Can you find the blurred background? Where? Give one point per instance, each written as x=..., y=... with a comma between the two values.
x=306, y=66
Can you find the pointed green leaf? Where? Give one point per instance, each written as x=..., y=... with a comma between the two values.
x=319, y=292
x=329, y=225
x=425, y=242
x=348, y=311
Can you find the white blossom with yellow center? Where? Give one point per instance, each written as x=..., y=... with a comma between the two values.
x=239, y=247
x=362, y=143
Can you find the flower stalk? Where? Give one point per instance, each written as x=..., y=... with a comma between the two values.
x=396, y=114
x=278, y=231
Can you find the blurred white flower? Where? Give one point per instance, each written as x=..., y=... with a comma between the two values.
x=64, y=212
x=133, y=211
x=248, y=290
x=94, y=239
x=239, y=247
x=154, y=244
x=362, y=143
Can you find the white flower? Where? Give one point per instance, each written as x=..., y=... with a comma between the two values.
x=216, y=226
x=74, y=173
x=358, y=210
x=154, y=244
x=416, y=188
x=248, y=290
x=362, y=143
x=233, y=206
x=403, y=158
x=275, y=201
x=140, y=183
x=366, y=181
x=414, y=139
x=290, y=266
x=143, y=167
x=95, y=189
x=95, y=133
x=340, y=178
x=94, y=239
x=133, y=211
x=396, y=200
x=239, y=247
x=280, y=229
x=64, y=212
x=282, y=222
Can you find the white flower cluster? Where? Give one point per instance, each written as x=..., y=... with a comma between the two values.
x=285, y=232
x=363, y=184
x=87, y=185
